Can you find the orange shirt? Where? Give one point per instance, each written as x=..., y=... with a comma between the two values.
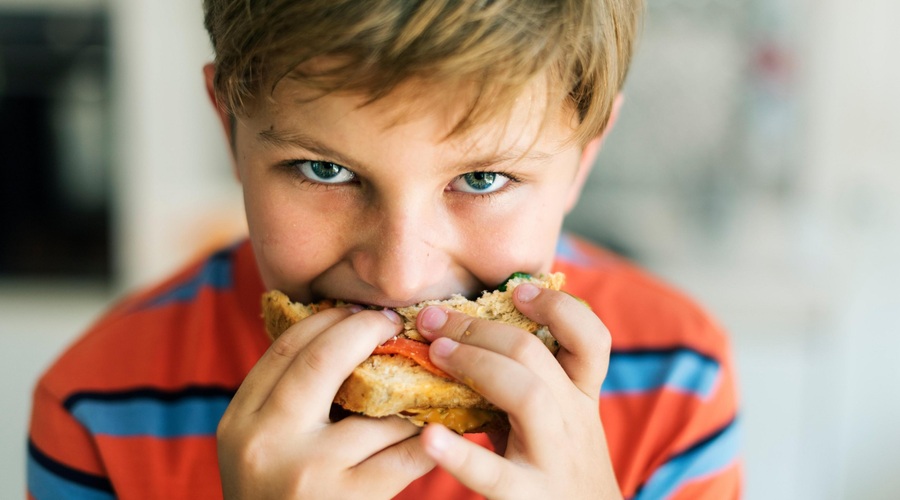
x=130, y=410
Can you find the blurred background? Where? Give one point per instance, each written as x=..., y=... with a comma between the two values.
x=756, y=165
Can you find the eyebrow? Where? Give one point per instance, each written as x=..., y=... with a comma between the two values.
x=280, y=139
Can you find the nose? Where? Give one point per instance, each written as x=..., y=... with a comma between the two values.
x=402, y=254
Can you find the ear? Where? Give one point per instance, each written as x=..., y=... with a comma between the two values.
x=209, y=75
x=589, y=156
x=225, y=119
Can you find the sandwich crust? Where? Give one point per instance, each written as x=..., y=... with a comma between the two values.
x=391, y=384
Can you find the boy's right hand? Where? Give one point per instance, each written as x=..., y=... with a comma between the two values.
x=275, y=440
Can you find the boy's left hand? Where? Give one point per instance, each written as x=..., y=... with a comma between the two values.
x=556, y=447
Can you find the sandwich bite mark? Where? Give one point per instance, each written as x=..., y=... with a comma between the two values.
x=399, y=377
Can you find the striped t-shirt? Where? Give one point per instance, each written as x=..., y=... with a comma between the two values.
x=130, y=410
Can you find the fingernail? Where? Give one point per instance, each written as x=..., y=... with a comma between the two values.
x=526, y=292
x=391, y=315
x=432, y=318
x=443, y=347
x=355, y=308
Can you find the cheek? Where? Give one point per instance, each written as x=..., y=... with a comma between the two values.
x=520, y=238
x=293, y=242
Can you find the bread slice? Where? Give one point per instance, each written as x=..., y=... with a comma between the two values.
x=390, y=384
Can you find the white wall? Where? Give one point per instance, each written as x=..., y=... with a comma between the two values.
x=854, y=188
x=799, y=261
x=175, y=192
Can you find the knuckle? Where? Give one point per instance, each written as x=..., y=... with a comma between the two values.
x=526, y=348
x=285, y=346
x=535, y=399
x=253, y=451
x=603, y=339
x=460, y=326
x=303, y=481
x=547, y=307
x=248, y=451
x=223, y=428
x=314, y=359
x=596, y=339
x=490, y=479
x=408, y=458
x=495, y=481
x=554, y=304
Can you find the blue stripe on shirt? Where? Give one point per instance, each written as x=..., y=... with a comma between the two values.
x=706, y=458
x=680, y=369
x=49, y=479
x=567, y=251
x=193, y=411
x=215, y=273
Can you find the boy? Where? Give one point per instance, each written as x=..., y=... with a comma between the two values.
x=392, y=152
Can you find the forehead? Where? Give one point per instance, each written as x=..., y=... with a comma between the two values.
x=432, y=111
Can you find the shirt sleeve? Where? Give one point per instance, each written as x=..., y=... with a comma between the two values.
x=62, y=461
x=678, y=409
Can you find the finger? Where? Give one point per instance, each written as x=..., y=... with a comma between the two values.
x=393, y=468
x=478, y=469
x=355, y=439
x=435, y=322
x=584, y=340
x=513, y=387
x=309, y=384
x=257, y=385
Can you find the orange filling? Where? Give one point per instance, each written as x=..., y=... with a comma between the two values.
x=414, y=350
x=459, y=420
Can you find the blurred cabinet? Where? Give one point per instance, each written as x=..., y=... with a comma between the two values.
x=55, y=82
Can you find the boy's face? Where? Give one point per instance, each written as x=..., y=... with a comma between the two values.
x=373, y=204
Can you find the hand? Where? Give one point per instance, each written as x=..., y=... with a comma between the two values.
x=275, y=439
x=556, y=447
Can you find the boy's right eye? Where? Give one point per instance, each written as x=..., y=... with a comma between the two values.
x=323, y=172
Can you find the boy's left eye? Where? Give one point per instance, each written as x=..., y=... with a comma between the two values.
x=479, y=182
x=324, y=172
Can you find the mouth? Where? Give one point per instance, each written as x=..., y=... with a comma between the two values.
x=356, y=292
x=378, y=303
x=384, y=304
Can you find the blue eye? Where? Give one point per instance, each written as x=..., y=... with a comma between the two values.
x=479, y=182
x=324, y=172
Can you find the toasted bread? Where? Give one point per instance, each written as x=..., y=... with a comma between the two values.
x=391, y=384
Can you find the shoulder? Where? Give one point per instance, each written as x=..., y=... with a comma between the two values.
x=641, y=311
x=161, y=338
x=669, y=403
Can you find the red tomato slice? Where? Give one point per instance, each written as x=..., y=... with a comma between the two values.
x=414, y=350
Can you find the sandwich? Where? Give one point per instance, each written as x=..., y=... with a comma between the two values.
x=399, y=377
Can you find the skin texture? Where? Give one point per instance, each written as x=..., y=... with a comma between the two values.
x=556, y=446
x=405, y=224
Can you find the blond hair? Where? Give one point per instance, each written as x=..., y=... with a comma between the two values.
x=493, y=47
